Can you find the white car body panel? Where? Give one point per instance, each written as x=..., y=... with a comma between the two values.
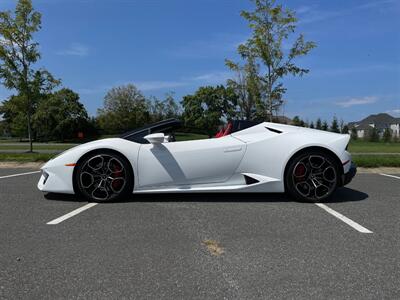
x=189, y=162
x=209, y=165
x=61, y=181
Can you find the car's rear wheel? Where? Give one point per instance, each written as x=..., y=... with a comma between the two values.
x=104, y=176
x=312, y=176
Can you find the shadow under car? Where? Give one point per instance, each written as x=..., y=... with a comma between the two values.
x=343, y=194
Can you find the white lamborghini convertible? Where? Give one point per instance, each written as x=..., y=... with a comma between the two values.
x=308, y=164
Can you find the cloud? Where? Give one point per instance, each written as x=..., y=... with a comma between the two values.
x=93, y=90
x=215, y=46
x=217, y=77
x=374, y=4
x=156, y=85
x=357, y=101
x=75, y=49
x=354, y=69
x=317, y=15
x=304, y=9
x=311, y=14
x=394, y=112
x=211, y=78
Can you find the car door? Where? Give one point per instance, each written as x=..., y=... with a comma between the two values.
x=189, y=162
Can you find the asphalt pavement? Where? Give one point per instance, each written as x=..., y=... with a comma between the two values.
x=164, y=246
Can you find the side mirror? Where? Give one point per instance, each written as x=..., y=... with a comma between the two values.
x=155, y=138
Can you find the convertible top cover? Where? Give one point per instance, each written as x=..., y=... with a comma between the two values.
x=137, y=135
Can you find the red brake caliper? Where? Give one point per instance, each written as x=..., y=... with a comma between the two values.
x=116, y=184
x=300, y=172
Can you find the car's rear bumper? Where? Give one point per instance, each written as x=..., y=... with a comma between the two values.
x=347, y=177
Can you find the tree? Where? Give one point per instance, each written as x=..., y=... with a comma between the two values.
x=208, y=107
x=373, y=135
x=272, y=26
x=18, y=54
x=341, y=126
x=13, y=110
x=387, y=135
x=354, y=134
x=171, y=107
x=13, y=114
x=166, y=109
x=4, y=129
x=298, y=122
x=335, y=125
x=157, y=109
x=312, y=125
x=125, y=108
x=325, y=126
x=318, y=125
x=247, y=87
x=60, y=116
x=345, y=129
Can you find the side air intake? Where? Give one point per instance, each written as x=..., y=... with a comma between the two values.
x=273, y=130
x=250, y=180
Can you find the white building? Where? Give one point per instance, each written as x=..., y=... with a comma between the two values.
x=378, y=121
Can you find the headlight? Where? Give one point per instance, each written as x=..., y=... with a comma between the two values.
x=45, y=175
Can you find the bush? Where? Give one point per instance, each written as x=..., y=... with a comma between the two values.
x=373, y=135
x=387, y=135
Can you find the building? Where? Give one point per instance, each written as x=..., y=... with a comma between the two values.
x=380, y=122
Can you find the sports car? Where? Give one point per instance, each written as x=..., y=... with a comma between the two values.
x=308, y=164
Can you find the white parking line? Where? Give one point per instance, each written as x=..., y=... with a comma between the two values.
x=20, y=174
x=345, y=219
x=71, y=214
x=387, y=175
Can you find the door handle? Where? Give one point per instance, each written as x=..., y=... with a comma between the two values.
x=233, y=149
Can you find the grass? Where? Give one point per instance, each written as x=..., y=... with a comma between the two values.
x=375, y=161
x=26, y=157
x=360, y=146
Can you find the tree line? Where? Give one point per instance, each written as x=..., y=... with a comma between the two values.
x=371, y=135
x=334, y=126
x=42, y=109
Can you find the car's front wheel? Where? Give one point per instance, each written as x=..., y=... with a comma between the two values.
x=104, y=176
x=312, y=176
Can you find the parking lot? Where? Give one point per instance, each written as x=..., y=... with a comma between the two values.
x=234, y=246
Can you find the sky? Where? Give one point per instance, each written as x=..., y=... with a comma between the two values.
x=177, y=46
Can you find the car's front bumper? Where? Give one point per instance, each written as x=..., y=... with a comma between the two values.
x=347, y=177
x=57, y=179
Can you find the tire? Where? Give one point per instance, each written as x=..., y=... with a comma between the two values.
x=312, y=176
x=104, y=176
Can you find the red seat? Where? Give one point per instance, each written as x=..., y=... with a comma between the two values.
x=224, y=131
x=220, y=133
x=228, y=129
